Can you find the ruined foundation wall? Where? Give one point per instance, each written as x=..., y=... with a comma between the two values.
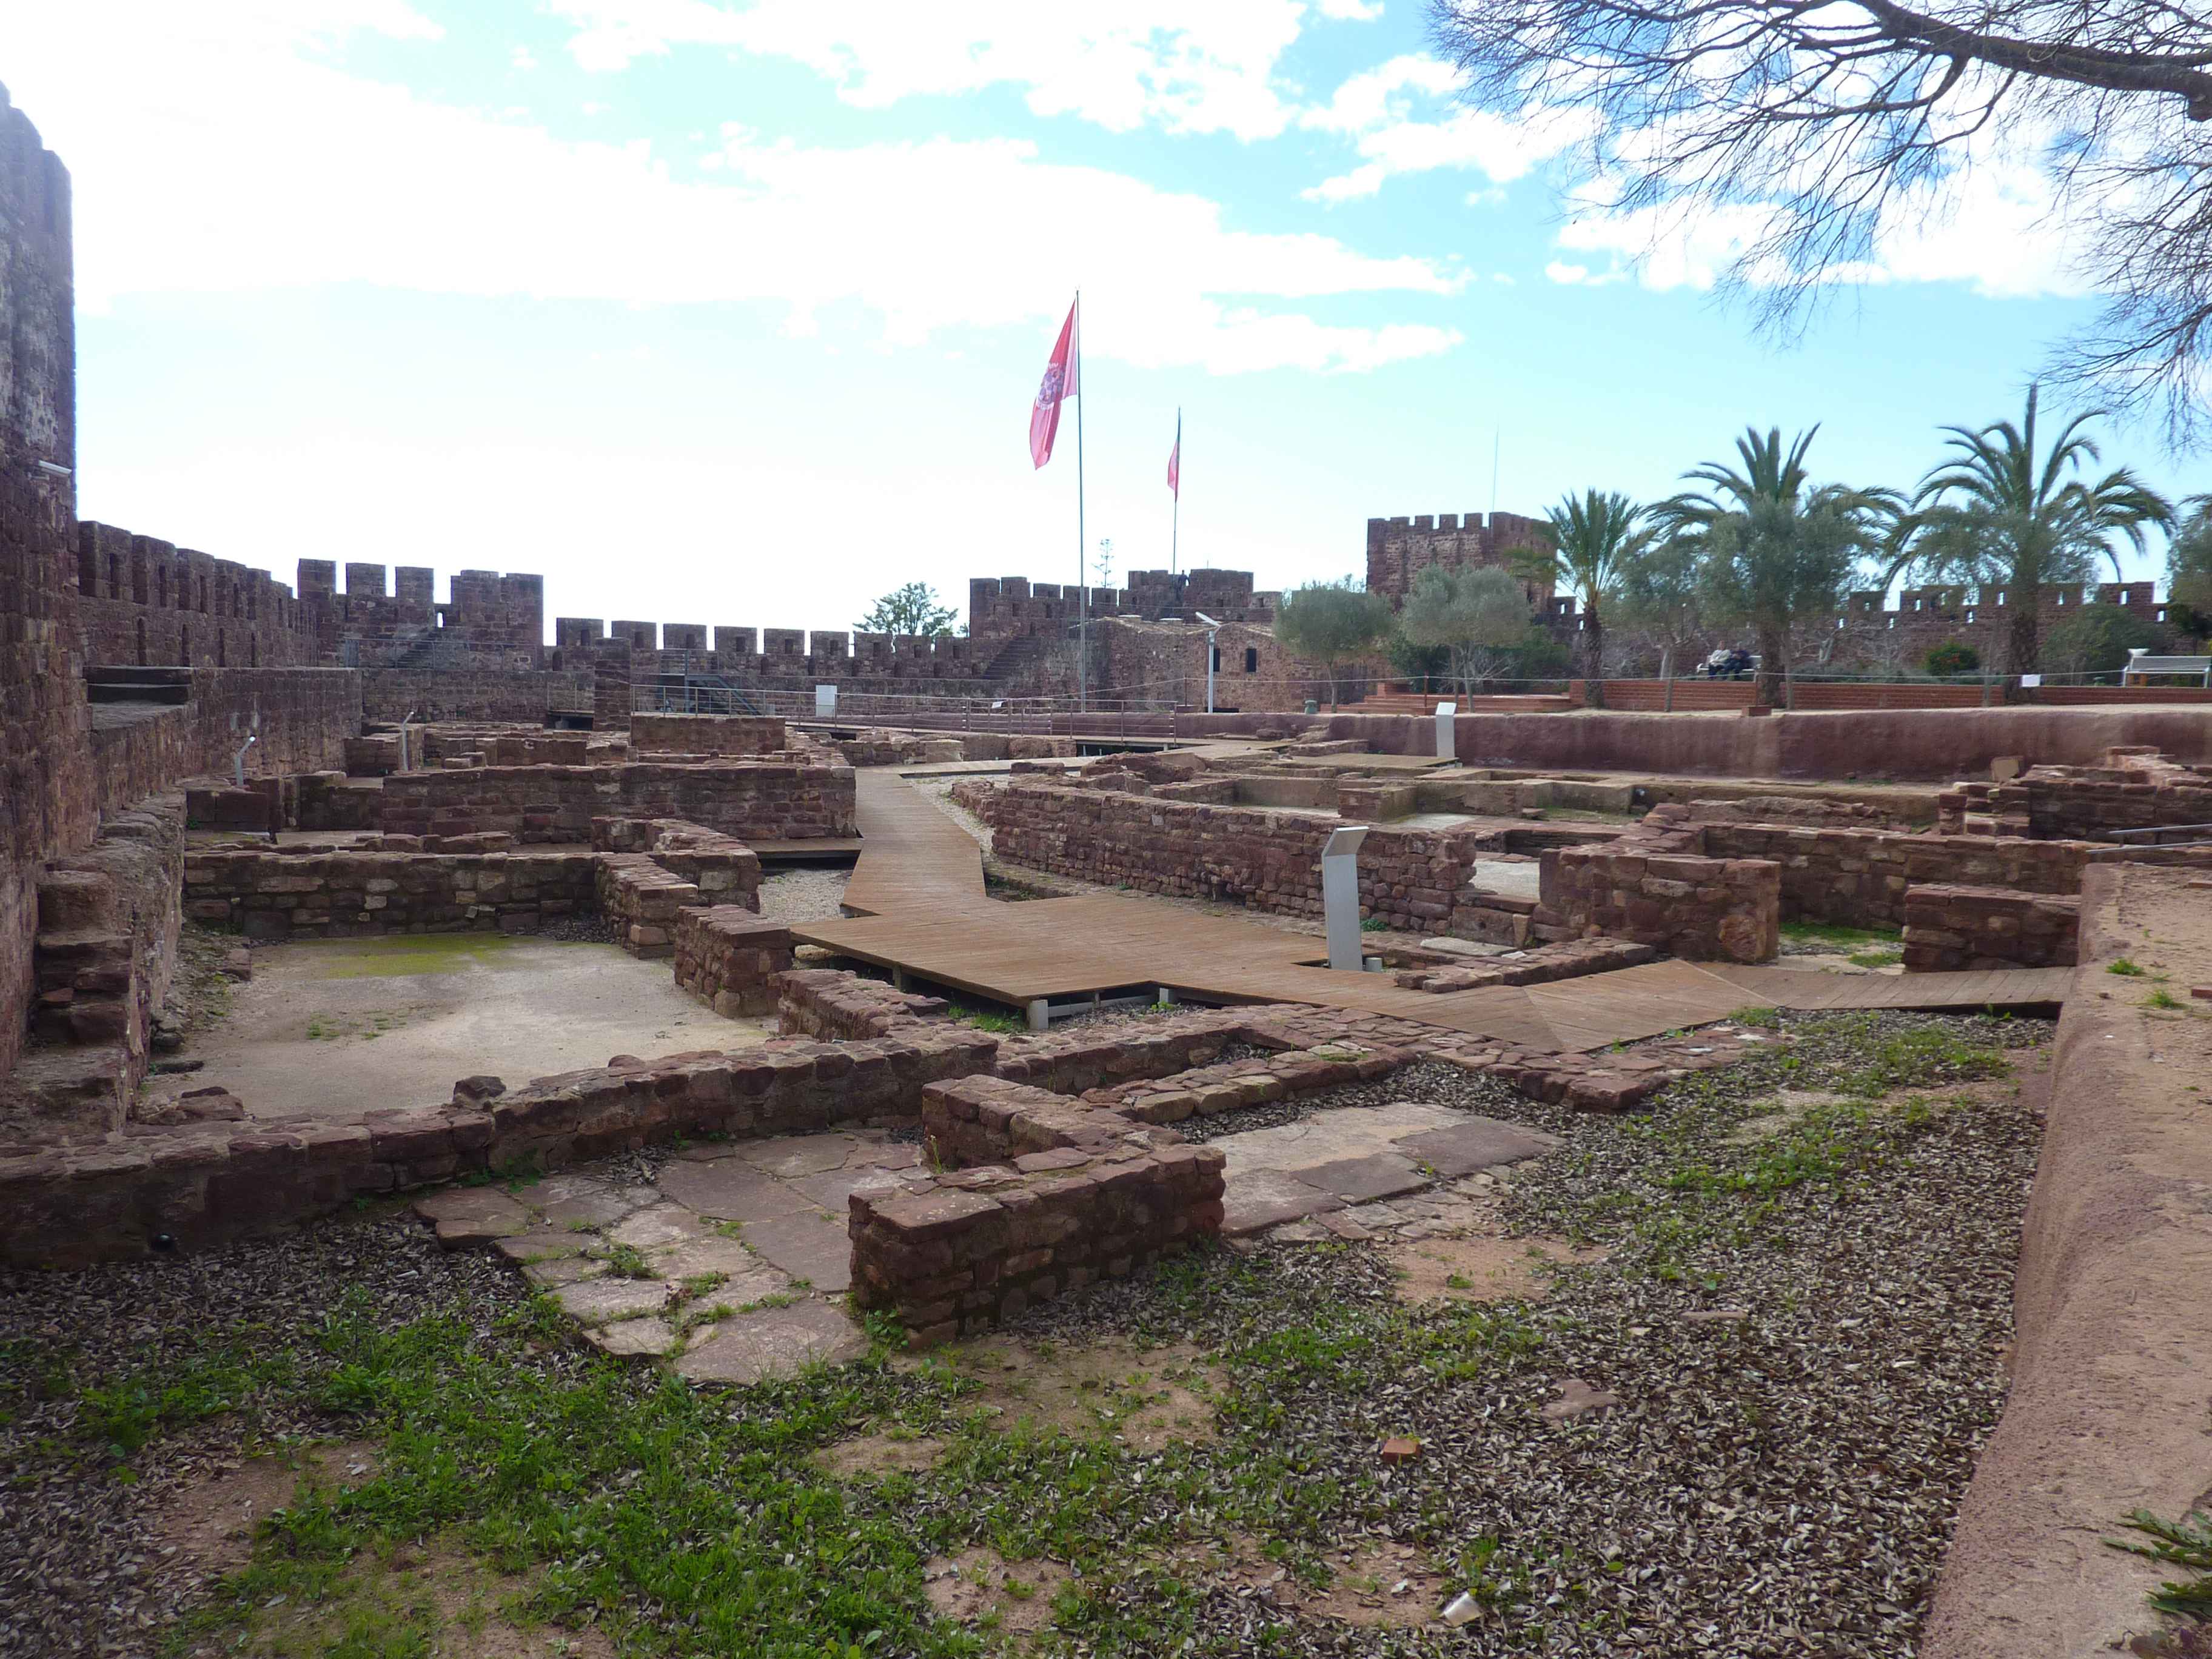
x=274, y=896
x=767, y=799
x=1272, y=861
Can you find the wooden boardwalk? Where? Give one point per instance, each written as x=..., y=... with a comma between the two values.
x=920, y=908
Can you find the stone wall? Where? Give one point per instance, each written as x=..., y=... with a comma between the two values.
x=706, y=734
x=108, y=921
x=2133, y=788
x=1951, y=928
x=62, y=1205
x=728, y=957
x=978, y=1246
x=473, y=693
x=142, y=601
x=492, y=620
x=1859, y=877
x=770, y=799
x=1270, y=861
x=307, y=716
x=46, y=776
x=266, y=894
x=1399, y=549
x=1726, y=909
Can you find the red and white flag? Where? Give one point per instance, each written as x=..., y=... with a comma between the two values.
x=1174, y=461
x=1059, y=384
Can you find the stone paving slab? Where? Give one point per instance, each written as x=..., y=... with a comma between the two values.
x=1357, y=1180
x=810, y=1247
x=1260, y=1198
x=730, y=1191
x=774, y=1342
x=1475, y=1143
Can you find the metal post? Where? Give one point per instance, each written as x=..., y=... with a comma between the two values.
x=1340, y=897
x=1082, y=547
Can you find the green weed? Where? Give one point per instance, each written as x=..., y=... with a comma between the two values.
x=2124, y=968
x=2186, y=1543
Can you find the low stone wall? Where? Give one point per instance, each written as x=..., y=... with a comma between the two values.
x=1547, y=963
x=1727, y=909
x=334, y=800
x=643, y=901
x=729, y=957
x=471, y=693
x=63, y=1206
x=1409, y=878
x=793, y=799
x=2134, y=788
x=837, y=1006
x=706, y=734
x=1948, y=928
x=1859, y=878
x=2106, y=1413
x=274, y=896
x=978, y=1246
x=538, y=749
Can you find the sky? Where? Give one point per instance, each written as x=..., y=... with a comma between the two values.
x=732, y=311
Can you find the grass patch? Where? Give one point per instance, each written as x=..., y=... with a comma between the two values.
x=2160, y=998
x=1761, y=1019
x=1829, y=933
x=2125, y=968
x=1919, y=1060
x=990, y=1020
x=2187, y=1544
x=1882, y=959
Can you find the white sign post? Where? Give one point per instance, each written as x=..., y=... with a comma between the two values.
x=1446, y=749
x=1340, y=897
x=825, y=703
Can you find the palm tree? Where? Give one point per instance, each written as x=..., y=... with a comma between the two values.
x=1997, y=513
x=1596, y=538
x=1774, y=549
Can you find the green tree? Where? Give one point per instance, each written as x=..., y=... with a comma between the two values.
x=913, y=609
x=1333, y=624
x=1663, y=596
x=1478, y=615
x=2189, y=570
x=1773, y=550
x=1597, y=537
x=2096, y=640
x=2000, y=513
x=1951, y=657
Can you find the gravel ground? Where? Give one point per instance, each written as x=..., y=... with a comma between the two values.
x=84, y=1569
x=1777, y=1483
x=800, y=894
x=1783, y=1483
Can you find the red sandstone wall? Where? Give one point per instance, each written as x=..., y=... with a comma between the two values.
x=45, y=772
x=143, y=601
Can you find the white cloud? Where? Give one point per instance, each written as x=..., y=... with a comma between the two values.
x=168, y=141
x=1999, y=227
x=1376, y=109
x=1120, y=64
x=1352, y=11
x=523, y=58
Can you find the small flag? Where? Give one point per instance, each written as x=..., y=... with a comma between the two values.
x=1174, y=461
x=1059, y=384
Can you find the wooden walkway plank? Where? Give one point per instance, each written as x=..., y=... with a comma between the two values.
x=919, y=905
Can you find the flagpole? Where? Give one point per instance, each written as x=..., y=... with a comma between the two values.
x=1175, y=514
x=1082, y=547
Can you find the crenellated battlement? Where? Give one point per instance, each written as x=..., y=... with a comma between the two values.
x=370, y=625
x=144, y=601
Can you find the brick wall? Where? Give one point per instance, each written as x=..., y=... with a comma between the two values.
x=307, y=715
x=2135, y=787
x=65, y=1205
x=1099, y=1196
x=473, y=693
x=1950, y=928
x=1726, y=909
x=768, y=800
x=1398, y=550
x=1272, y=861
x=1859, y=878
x=267, y=895
x=706, y=734
x=147, y=602
x=728, y=957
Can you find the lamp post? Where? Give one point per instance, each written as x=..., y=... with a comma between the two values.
x=1212, y=627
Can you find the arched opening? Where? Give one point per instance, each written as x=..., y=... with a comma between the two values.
x=1251, y=658
x=162, y=586
x=253, y=651
x=183, y=646
x=141, y=642
x=114, y=576
x=221, y=650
